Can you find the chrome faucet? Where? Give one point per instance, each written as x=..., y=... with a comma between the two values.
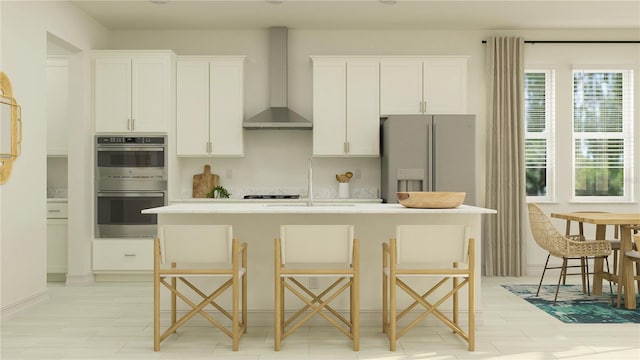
x=310, y=190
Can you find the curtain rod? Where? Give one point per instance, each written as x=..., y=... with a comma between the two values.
x=578, y=41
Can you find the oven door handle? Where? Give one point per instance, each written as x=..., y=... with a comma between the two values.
x=128, y=148
x=130, y=193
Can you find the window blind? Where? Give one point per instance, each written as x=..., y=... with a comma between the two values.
x=539, y=113
x=602, y=133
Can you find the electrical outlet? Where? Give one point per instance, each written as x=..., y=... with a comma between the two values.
x=228, y=173
x=357, y=174
x=313, y=283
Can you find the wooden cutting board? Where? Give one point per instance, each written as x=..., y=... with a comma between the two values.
x=203, y=183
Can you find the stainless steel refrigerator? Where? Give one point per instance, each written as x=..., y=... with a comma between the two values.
x=428, y=153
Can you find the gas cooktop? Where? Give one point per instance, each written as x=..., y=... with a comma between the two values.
x=271, y=196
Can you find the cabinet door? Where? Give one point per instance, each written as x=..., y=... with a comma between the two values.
x=150, y=98
x=112, y=86
x=227, y=107
x=122, y=255
x=445, y=85
x=329, y=107
x=192, y=94
x=57, y=105
x=363, y=118
x=57, y=246
x=400, y=86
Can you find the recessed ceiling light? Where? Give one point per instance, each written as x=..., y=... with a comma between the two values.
x=389, y=2
x=159, y=2
x=275, y=2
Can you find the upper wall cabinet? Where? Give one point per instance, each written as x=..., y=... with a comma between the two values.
x=57, y=105
x=434, y=85
x=345, y=107
x=133, y=91
x=210, y=106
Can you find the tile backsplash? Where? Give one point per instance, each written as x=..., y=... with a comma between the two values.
x=277, y=162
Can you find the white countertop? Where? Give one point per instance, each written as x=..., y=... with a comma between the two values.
x=292, y=208
x=274, y=201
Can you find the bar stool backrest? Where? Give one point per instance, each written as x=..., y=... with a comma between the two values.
x=196, y=243
x=432, y=244
x=316, y=244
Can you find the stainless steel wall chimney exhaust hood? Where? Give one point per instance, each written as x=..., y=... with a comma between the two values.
x=278, y=116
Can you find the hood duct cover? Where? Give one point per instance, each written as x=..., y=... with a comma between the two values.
x=278, y=116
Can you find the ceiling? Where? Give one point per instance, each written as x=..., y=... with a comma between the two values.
x=364, y=14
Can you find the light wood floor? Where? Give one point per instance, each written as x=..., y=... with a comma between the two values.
x=114, y=321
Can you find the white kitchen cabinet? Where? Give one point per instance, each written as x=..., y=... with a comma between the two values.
x=57, y=105
x=122, y=255
x=433, y=85
x=57, y=233
x=210, y=106
x=345, y=107
x=133, y=91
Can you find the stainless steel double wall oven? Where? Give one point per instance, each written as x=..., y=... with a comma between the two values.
x=131, y=175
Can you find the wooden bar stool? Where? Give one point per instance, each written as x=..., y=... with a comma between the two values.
x=444, y=252
x=200, y=251
x=317, y=251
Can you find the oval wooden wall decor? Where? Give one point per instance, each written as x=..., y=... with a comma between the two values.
x=11, y=124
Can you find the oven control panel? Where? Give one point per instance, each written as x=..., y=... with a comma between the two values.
x=154, y=140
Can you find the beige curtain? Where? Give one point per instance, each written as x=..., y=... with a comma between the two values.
x=504, y=234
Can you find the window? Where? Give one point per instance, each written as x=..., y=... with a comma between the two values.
x=602, y=135
x=539, y=114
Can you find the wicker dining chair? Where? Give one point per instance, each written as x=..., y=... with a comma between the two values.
x=547, y=236
x=631, y=256
x=584, y=264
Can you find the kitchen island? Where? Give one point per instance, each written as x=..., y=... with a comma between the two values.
x=258, y=224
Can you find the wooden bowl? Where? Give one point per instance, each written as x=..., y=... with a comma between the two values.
x=431, y=199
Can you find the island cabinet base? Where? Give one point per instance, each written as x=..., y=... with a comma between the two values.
x=259, y=230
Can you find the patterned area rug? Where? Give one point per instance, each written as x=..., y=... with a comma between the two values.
x=575, y=307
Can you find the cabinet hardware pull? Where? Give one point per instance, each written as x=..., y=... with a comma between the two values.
x=133, y=124
x=52, y=211
x=130, y=255
x=129, y=124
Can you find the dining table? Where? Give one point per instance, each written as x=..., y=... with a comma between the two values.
x=601, y=220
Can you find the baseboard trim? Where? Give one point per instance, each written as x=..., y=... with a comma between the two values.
x=79, y=279
x=108, y=277
x=23, y=304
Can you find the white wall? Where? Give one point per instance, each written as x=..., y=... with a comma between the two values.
x=24, y=27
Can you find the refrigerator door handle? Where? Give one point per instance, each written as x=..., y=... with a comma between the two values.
x=433, y=156
x=428, y=185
